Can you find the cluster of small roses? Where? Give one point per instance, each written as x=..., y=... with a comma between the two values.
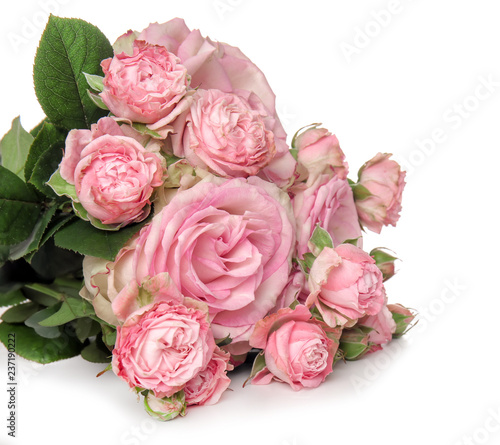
x=251, y=244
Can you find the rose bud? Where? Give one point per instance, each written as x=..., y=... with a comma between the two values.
x=402, y=317
x=384, y=261
x=167, y=408
x=378, y=192
x=383, y=327
x=298, y=349
x=354, y=342
x=319, y=152
x=345, y=285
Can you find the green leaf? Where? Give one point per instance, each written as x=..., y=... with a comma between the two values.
x=223, y=341
x=307, y=262
x=360, y=192
x=47, y=164
x=14, y=148
x=259, y=364
x=96, y=352
x=96, y=99
x=61, y=187
x=44, y=331
x=85, y=328
x=51, y=261
x=48, y=137
x=11, y=298
x=68, y=49
x=18, y=208
x=353, y=241
x=353, y=351
x=31, y=243
x=95, y=82
x=33, y=347
x=108, y=334
x=35, y=130
x=381, y=256
x=20, y=312
x=80, y=236
x=71, y=309
x=319, y=240
x=143, y=129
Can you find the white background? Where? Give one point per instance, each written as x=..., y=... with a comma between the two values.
x=404, y=83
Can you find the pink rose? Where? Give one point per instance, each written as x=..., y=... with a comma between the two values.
x=209, y=384
x=345, y=285
x=144, y=86
x=329, y=203
x=383, y=327
x=295, y=290
x=384, y=181
x=113, y=174
x=162, y=346
x=298, y=349
x=227, y=243
x=216, y=65
x=318, y=153
x=225, y=133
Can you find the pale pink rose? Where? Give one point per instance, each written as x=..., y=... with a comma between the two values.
x=345, y=285
x=298, y=349
x=162, y=346
x=144, y=86
x=227, y=243
x=385, y=181
x=209, y=384
x=329, y=203
x=216, y=65
x=225, y=133
x=319, y=152
x=113, y=174
x=383, y=327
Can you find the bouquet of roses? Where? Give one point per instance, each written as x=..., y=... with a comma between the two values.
x=158, y=221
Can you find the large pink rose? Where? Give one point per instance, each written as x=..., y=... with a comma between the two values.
x=329, y=203
x=319, y=152
x=227, y=243
x=383, y=326
x=113, y=174
x=216, y=65
x=144, y=86
x=225, y=133
x=345, y=285
x=298, y=349
x=384, y=181
x=209, y=384
x=162, y=346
